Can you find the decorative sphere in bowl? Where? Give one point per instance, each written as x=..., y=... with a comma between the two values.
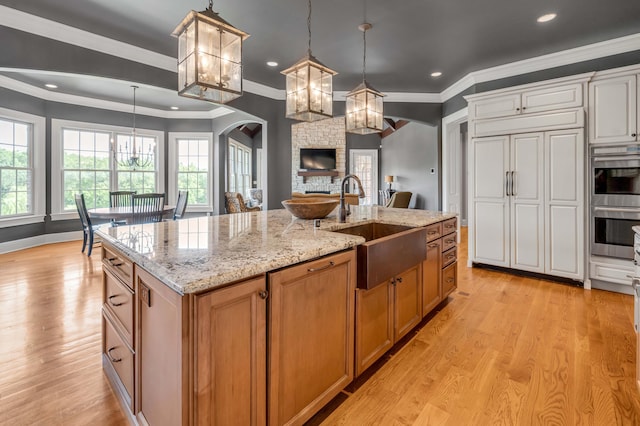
x=310, y=208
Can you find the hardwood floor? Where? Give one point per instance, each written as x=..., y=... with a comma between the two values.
x=504, y=350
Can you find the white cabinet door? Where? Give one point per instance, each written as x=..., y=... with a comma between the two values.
x=613, y=110
x=490, y=164
x=552, y=98
x=498, y=106
x=564, y=202
x=527, y=202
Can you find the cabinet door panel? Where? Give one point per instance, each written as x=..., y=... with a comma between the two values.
x=491, y=163
x=613, y=109
x=552, y=98
x=408, y=301
x=499, y=106
x=564, y=151
x=231, y=355
x=311, y=336
x=527, y=212
x=374, y=324
x=491, y=238
x=161, y=352
x=431, y=288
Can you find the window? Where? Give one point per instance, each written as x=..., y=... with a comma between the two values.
x=16, y=168
x=82, y=162
x=22, y=185
x=239, y=168
x=190, y=169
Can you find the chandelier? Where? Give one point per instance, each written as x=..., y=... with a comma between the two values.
x=130, y=153
x=209, y=57
x=364, y=109
x=309, y=87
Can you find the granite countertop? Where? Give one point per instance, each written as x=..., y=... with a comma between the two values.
x=198, y=254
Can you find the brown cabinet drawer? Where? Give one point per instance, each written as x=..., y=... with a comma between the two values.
x=434, y=231
x=118, y=299
x=118, y=264
x=119, y=356
x=449, y=257
x=449, y=226
x=449, y=279
x=449, y=241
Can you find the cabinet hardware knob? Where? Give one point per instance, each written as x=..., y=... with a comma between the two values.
x=399, y=279
x=263, y=294
x=111, y=357
x=111, y=301
x=633, y=135
x=322, y=267
x=523, y=108
x=517, y=109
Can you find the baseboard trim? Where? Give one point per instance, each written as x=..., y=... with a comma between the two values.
x=561, y=280
x=39, y=240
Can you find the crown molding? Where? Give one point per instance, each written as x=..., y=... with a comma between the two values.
x=54, y=30
x=33, y=24
x=566, y=57
x=28, y=89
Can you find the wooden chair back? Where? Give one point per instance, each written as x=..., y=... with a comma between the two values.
x=146, y=208
x=120, y=198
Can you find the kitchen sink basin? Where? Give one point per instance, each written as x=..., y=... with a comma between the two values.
x=388, y=251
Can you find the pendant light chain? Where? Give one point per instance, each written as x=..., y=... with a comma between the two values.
x=134, y=112
x=364, y=56
x=309, y=28
x=210, y=4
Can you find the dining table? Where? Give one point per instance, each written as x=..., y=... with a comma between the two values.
x=122, y=213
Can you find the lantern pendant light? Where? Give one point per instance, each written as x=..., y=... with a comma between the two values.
x=209, y=57
x=309, y=87
x=364, y=109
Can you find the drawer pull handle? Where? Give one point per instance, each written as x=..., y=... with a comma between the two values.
x=114, y=264
x=111, y=301
x=111, y=357
x=433, y=245
x=263, y=294
x=449, y=241
x=449, y=226
x=322, y=268
x=432, y=232
x=449, y=280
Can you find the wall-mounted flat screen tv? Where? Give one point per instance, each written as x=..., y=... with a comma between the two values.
x=317, y=158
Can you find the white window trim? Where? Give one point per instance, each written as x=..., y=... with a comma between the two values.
x=39, y=168
x=57, y=211
x=172, y=193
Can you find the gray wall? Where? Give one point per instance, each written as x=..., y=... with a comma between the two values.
x=409, y=154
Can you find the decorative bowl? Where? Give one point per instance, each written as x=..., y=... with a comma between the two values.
x=310, y=208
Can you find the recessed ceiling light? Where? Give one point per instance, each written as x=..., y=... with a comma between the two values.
x=174, y=108
x=272, y=63
x=546, y=18
x=50, y=86
x=436, y=74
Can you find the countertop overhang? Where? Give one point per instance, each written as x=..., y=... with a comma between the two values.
x=202, y=253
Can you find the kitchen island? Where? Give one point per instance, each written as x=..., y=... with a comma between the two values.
x=199, y=313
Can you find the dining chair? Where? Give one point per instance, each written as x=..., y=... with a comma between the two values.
x=181, y=205
x=120, y=198
x=87, y=228
x=146, y=208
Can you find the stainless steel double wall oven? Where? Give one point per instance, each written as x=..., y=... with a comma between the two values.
x=615, y=199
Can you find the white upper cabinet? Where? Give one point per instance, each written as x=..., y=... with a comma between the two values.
x=528, y=101
x=613, y=109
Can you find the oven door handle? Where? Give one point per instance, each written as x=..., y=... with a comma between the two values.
x=617, y=209
x=616, y=158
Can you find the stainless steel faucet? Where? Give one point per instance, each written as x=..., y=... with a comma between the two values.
x=344, y=209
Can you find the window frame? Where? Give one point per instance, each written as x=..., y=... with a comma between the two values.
x=173, y=170
x=38, y=161
x=57, y=169
x=244, y=149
